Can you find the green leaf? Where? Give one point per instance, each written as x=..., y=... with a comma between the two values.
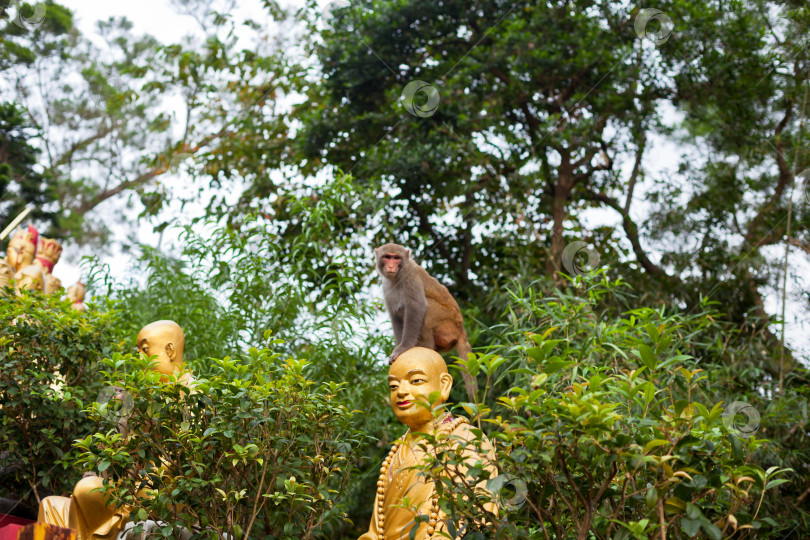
x=654, y=444
x=651, y=497
x=647, y=356
x=649, y=393
x=652, y=331
x=777, y=482
x=711, y=529
x=690, y=526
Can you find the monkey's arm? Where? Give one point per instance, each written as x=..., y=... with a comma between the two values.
x=413, y=319
x=396, y=324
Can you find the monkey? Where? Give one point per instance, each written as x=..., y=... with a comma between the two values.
x=422, y=310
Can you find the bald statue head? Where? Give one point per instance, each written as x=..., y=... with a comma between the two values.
x=166, y=340
x=413, y=376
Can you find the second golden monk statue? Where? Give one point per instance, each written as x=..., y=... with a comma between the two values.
x=87, y=510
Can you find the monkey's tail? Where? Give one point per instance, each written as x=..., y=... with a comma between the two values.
x=470, y=383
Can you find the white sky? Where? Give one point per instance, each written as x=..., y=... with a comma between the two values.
x=157, y=17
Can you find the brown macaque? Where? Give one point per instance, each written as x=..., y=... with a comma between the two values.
x=422, y=310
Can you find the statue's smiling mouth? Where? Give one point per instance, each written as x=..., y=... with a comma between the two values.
x=404, y=403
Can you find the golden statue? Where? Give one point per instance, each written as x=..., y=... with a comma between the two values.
x=48, y=253
x=88, y=511
x=22, y=248
x=31, y=278
x=412, y=377
x=76, y=294
x=20, y=254
x=6, y=274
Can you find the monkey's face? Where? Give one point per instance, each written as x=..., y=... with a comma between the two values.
x=390, y=258
x=390, y=264
x=411, y=380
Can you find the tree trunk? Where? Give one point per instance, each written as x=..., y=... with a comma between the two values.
x=561, y=191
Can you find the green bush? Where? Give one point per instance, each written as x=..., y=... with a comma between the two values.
x=253, y=451
x=304, y=279
x=50, y=362
x=602, y=434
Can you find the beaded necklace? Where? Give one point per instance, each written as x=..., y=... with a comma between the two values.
x=448, y=425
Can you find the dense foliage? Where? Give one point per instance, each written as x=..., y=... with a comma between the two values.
x=255, y=451
x=606, y=431
x=50, y=371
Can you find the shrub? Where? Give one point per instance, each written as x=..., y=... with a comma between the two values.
x=255, y=450
x=50, y=361
x=602, y=434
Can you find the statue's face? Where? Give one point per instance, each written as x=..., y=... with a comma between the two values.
x=161, y=341
x=20, y=253
x=411, y=379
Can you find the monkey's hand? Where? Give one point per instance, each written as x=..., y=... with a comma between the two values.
x=395, y=354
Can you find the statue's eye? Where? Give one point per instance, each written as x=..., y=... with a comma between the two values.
x=393, y=387
x=417, y=381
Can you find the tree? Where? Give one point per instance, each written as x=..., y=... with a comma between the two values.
x=528, y=115
x=136, y=113
x=20, y=184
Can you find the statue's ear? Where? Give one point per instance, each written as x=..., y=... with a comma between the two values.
x=446, y=385
x=171, y=352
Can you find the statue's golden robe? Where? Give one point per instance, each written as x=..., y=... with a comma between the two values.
x=85, y=511
x=403, y=480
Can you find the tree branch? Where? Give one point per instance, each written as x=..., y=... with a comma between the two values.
x=631, y=230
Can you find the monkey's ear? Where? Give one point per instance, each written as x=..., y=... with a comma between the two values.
x=407, y=254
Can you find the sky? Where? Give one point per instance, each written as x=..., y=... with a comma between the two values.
x=158, y=18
